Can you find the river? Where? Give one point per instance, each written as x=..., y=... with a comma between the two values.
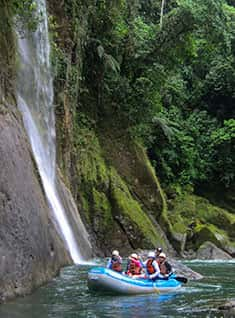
x=67, y=296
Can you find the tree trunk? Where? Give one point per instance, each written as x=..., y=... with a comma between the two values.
x=161, y=16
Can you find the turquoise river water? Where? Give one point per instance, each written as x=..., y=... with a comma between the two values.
x=67, y=296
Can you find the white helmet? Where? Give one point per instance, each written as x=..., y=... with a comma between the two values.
x=163, y=255
x=134, y=255
x=115, y=253
x=151, y=255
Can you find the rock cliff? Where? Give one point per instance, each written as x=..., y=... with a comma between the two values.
x=31, y=251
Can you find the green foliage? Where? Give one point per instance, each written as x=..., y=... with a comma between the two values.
x=24, y=11
x=20, y=6
x=142, y=33
x=172, y=88
x=224, y=143
x=150, y=9
x=219, y=87
x=202, y=79
x=183, y=150
x=226, y=133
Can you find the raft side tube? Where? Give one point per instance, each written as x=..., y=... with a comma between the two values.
x=104, y=279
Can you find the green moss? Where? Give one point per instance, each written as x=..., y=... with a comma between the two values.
x=181, y=216
x=92, y=176
x=85, y=208
x=211, y=233
x=215, y=215
x=169, y=224
x=102, y=208
x=128, y=207
x=152, y=173
x=188, y=208
x=91, y=166
x=106, y=199
x=179, y=227
x=7, y=51
x=201, y=221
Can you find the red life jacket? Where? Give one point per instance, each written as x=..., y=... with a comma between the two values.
x=133, y=269
x=150, y=267
x=116, y=265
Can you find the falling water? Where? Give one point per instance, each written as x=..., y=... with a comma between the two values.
x=35, y=100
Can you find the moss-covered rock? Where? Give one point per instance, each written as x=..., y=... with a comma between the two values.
x=201, y=221
x=116, y=216
x=131, y=162
x=7, y=55
x=208, y=232
x=127, y=211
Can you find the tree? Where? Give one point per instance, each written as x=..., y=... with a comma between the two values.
x=161, y=15
x=224, y=160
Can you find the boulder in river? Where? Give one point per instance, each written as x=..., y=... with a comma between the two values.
x=228, y=308
x=181, y=269
x=210, y=251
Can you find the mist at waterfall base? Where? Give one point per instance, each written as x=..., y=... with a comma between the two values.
x=35, y=101
x=67, y=296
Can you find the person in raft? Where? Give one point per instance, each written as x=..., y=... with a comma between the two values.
x=158, y=251
x=134, y=266
x=155, y=268
x=115, y=262
x=165, y=267
x=152, y=267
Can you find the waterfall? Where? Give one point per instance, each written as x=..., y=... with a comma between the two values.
x=35, y=101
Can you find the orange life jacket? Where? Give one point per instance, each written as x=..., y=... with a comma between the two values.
x=150, y=267
x=116, y=265
x=133, y=269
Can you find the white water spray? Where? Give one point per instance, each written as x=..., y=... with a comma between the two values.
x=35, y=100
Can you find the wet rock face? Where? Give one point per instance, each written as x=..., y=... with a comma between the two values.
x=31, y=251
x=209, y=250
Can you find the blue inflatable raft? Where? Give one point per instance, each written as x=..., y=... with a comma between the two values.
x=104, y=279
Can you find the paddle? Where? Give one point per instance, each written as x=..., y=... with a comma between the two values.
x=181, y=279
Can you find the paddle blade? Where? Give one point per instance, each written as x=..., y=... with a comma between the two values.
x=181, y=279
